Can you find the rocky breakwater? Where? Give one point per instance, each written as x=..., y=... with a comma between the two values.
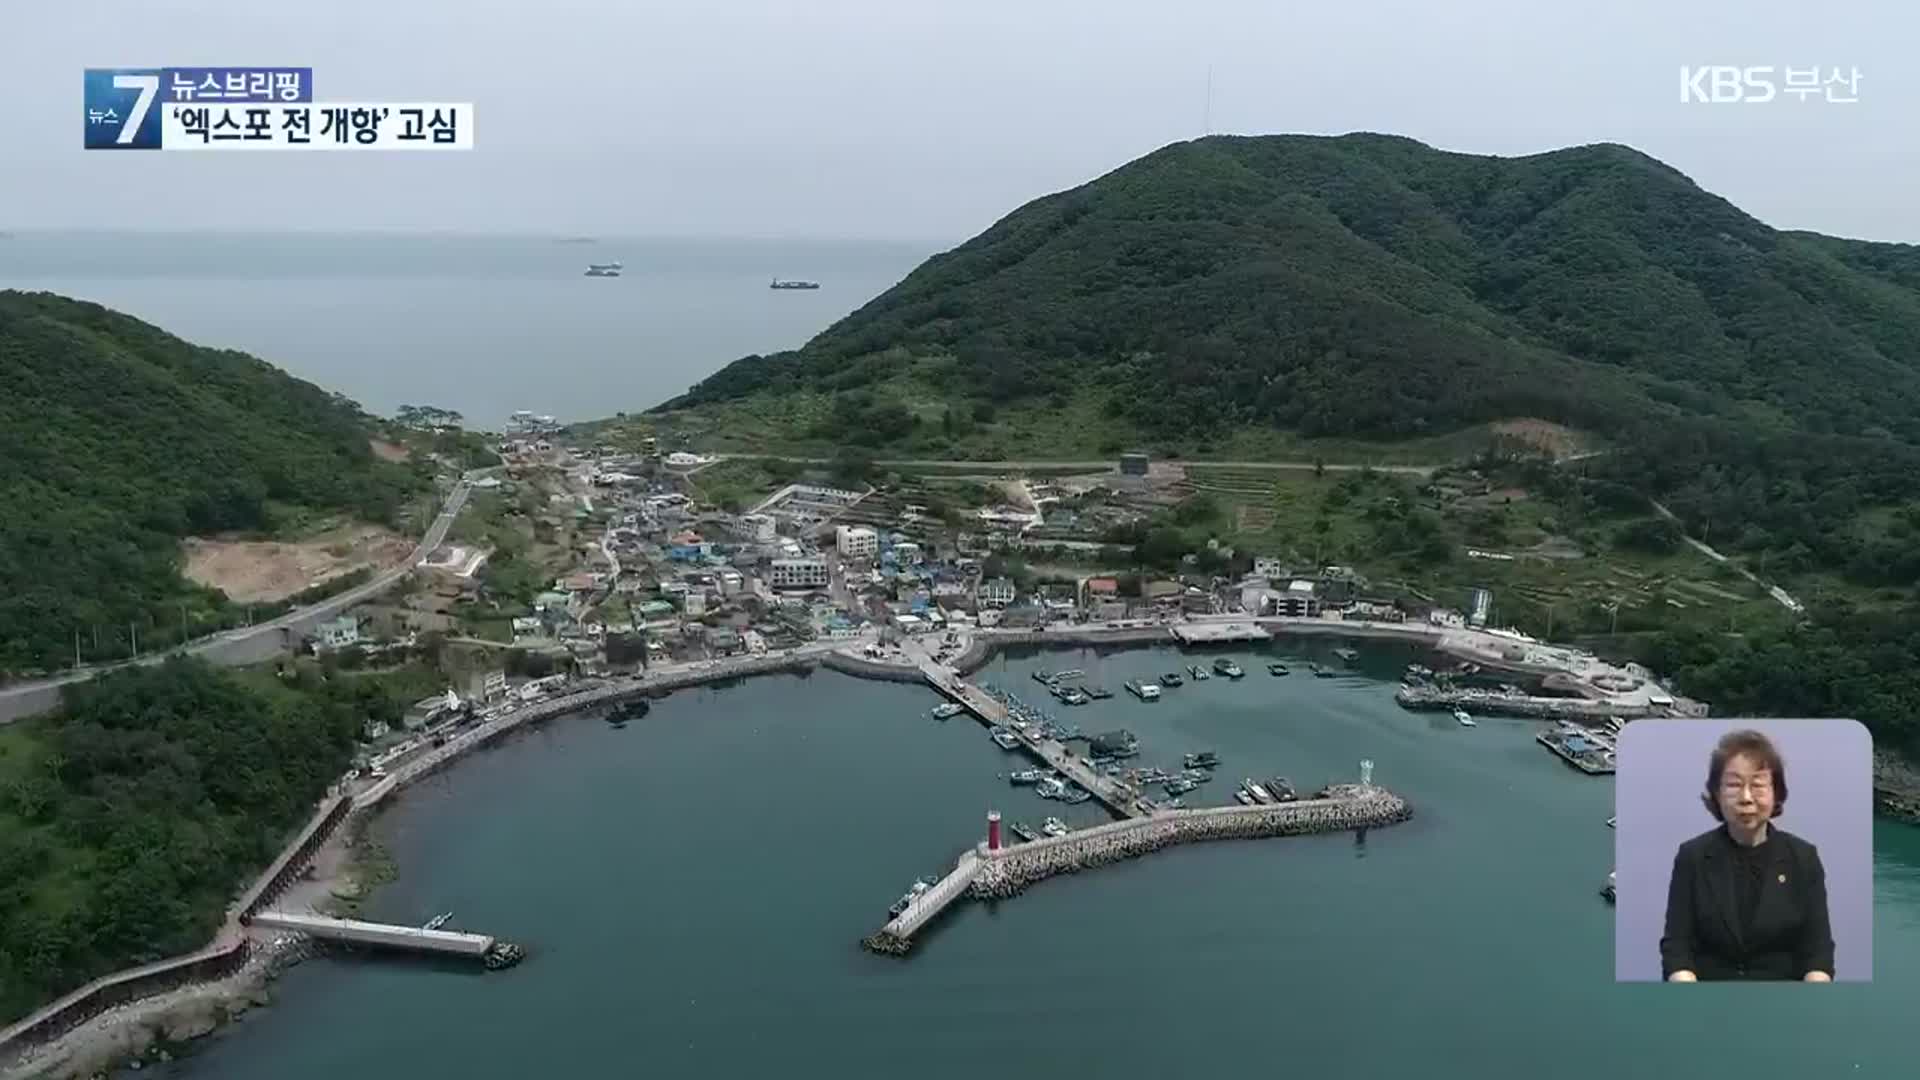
x=1010, y=871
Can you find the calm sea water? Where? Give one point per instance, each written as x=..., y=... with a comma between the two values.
x=482, y=325
x=694, y=887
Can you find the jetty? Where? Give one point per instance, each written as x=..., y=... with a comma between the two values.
x=486, y=948
x=1511, y=704
x=1119, y=797
x=990, y=871
x=1588, y=751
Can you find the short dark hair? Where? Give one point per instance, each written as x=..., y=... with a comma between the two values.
x=1756, y=746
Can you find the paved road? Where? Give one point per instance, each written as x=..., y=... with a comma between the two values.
x=1101, y=465
x=1780, y=596
x=247, y=644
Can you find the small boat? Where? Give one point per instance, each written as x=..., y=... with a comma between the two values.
x=1098, y=693
x=1025, y=776
x=1023, y=831
x=1205, y=759
x=1143, y=691
x=1610, y=823
x=1260, y=794
x=1171, y=678
x=1005, y=738
x=611, y=269
x=1074, y=697
x=1180, y=786
x=789, y=283
x=1228, y=668
x=1075, y=795
x=1277, y=668
x=1043, y=677
x=1198, y=776
x=1465, y=720
x=1199, y=673
x=1053, y=826
x=1070, y=673
x=1608, y=890
x=438, y=921
x=1051, y=787
x=1346, y=654
x=1245, y=799
x=1322, y=673
x=907, y=898
x=1281, y=789
x=950, y=709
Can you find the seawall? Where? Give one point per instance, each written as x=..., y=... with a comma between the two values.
x=992, y=875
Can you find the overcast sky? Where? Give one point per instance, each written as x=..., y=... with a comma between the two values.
x=922, y=121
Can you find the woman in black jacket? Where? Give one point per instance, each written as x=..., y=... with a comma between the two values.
x=1746, y=900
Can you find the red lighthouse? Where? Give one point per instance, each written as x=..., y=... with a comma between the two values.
x=993, y=830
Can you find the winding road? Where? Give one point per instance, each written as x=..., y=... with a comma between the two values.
x=247, y=644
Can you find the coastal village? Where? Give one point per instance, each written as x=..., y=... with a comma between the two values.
x=626, y=569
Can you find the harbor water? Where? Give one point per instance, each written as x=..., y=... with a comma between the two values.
x=693, y=888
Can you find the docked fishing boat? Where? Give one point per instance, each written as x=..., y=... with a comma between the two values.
x=1075, y=795
x=1347, y=655
x=1044, y=678
x=1224, y=666
x=948, y=710
x=907, y=898
x=1198, y=673
x=1098, y=693
x=1204, y=759
x=1023, y=831
x=1143, y=691
x=1070, y=673
x=1053, y=826
x=1260, y=794
x=1321, y=672
x=1463, y=718
x=1198, y=776
x=1244, y=798
x=1180, y=786
x=1074, y=696
x=1277, y=668
x=1005, y=738
x=1171, y=678
x=1051, y=787
x=1025, y=776
x=1281, y=789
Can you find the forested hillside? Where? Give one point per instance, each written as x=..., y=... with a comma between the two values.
x=118, y=440
x=1371, y=286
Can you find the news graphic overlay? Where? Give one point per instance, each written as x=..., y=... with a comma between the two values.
x=1743, y=851
x=256, y=108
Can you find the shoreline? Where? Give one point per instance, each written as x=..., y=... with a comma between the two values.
x=338, y=870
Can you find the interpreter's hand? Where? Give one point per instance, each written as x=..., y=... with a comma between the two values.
x=1817, y=976
x=1683, y=976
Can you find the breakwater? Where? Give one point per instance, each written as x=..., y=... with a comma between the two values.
x=1486, y=701
x=991, y=874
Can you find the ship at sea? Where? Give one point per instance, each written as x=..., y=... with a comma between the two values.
x=611, y=269
x=791, y=283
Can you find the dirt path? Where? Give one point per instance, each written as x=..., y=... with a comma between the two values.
x=263, y=571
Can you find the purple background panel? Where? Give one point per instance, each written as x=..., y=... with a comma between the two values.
x=1662, y=773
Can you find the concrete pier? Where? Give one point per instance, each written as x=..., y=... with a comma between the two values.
x=1218, y=633
x=1486, y=701
x=993, y=873
x=379, y=935
x=1117, y=796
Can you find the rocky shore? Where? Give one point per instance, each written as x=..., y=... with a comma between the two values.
x=1896, y=788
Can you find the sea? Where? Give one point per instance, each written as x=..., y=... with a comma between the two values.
x=693, y=887
x=483, y=325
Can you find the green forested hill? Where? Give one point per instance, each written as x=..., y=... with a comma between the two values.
x=117, y=440
x=1372, y=286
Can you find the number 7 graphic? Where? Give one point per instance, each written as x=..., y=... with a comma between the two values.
x=148, y=85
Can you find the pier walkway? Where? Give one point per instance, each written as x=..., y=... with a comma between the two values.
x=381, y=935
x=935, y=900
x=1117, y=796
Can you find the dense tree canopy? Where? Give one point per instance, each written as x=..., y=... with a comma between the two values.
x=117, y=440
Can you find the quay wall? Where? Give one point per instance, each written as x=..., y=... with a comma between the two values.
x=861, y=668
x=213, y=962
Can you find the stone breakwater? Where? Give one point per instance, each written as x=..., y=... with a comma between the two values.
x=995, y=875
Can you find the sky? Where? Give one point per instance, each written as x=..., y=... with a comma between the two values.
x=925, y=122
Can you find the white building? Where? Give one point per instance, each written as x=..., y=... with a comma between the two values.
x=695, y=602
x=802, y=573
x=730, y=582
x=999, y=592
x=761, y=528
x=338, y=633
x=856, y=541
x=1269, y=567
